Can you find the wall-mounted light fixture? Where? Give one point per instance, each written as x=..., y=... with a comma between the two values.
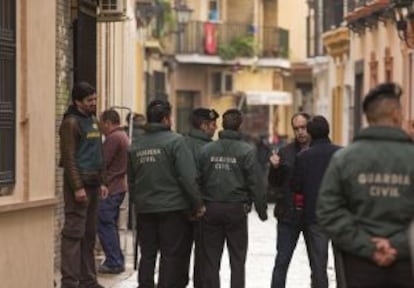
x=404, y=17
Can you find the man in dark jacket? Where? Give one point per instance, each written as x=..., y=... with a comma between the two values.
x=81, y=152
x=162, y=182
x=204, y=125
x=309, y=169
x=230, y=182
x=288, y=207
x=366, y=200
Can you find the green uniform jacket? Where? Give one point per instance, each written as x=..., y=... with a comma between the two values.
x=229, y=172
x=195, y=140
x=81, y=149
x=368, y=191
x=161, y=172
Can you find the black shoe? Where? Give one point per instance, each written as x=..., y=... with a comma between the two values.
x=110, y=270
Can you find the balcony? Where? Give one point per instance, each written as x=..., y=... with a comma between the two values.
x=231, y=41
x=366, y=13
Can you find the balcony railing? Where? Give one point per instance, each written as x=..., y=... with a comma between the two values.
x=367, y=13
x=354, y=4
x=197, y=38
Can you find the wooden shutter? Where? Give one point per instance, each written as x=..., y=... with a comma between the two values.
x=7, y=92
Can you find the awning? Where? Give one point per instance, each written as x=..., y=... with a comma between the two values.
x=268, y=98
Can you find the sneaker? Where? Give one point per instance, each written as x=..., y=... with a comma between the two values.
x=110, y=270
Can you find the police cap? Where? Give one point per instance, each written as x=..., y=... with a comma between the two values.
x=205, y=114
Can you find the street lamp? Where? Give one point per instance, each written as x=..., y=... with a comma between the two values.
x=145, y=10
x=404, y=16
x=183, y=13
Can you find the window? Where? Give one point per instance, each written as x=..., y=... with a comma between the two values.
x=221, y=83
x=155, y=86
x=333, y=14
x=214, y=10
x=159, y=86
x=216, y=83
x=389, y=65
x=185, y=106
x=7, y=94
x=373, y=69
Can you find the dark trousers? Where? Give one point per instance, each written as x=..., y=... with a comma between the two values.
x=198, y=257
x=223, y=222
x=316, y=245
x=171, y=234
x=78, y=240
x=108, y=230
x=363, y=273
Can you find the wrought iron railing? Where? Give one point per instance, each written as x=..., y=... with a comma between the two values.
x=267, y=41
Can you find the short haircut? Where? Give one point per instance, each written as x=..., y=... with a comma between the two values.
x=303, y=114
x=157, y=110
x=232, y=119
x=318, y=127
x=111, y=116
x=136, y=116
x=82, y=90
x=381, y=101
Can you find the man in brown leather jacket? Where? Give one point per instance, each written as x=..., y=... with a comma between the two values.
x=82, y=161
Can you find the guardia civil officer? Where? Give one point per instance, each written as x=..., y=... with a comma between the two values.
x=230, y=181
x=162, y=179
x=366, y=199
x=203, y=126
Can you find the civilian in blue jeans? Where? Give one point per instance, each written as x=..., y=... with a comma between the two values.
x=288, y=209
x=115, y=150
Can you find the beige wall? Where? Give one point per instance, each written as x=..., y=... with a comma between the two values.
x=377, y=40
x=116, y=72
x=292, y=16
x=192, y=78
x=27, y=248
x=270, y=13
x=27, y=234
x=240, y=11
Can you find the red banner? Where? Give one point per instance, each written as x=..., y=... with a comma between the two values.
x=210, y=45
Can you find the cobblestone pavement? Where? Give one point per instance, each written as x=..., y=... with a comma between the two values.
x=259, y=264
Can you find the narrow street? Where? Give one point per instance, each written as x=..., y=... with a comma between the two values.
x=259, y=261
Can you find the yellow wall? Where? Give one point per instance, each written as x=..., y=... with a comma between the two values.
x=292, y=16
x=27, y=234
x=261, y=80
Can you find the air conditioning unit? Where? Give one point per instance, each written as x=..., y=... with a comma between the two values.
x=221, y=83
x=112, y=7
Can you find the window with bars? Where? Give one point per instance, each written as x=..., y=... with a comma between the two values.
x=7, y=94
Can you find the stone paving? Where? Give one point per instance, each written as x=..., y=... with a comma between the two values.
x=259, y=261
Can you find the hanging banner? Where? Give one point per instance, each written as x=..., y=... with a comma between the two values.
x=210, y=45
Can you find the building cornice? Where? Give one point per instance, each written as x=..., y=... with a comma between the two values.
x=337, y=42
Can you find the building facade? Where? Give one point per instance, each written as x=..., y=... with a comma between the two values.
x=380, y=50
x=328, y=52
x=27, y=125
x=232, y=54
